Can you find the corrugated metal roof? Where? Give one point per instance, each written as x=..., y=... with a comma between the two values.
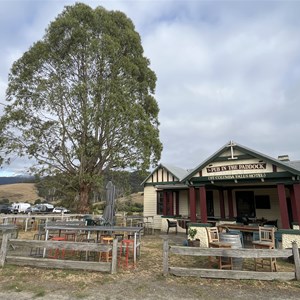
x=294, y=164
x=179, y=173
x=176, y=171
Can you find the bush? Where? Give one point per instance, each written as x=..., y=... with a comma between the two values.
x=129, y=206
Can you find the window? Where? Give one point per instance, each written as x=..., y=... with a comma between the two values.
x=160, y=203
x=262, y=202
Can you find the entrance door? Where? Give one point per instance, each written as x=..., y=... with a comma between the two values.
x=210, y=203
x=245, y=204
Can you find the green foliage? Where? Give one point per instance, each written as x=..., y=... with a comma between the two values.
x=59, y=189
x=129, y=206
x=82, y=101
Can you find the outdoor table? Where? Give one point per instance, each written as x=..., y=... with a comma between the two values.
x=135, y=230
x=183, y=223
x=146, y=221
x=243, y=228
x=134, y=218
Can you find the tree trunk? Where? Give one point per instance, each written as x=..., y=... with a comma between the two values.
x=84, y=206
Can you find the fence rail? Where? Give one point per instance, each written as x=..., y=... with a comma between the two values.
x=230, y=274
x=57, y=263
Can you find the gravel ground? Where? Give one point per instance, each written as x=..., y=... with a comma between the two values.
x=144, y=282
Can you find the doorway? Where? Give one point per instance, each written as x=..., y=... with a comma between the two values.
x=245, y=205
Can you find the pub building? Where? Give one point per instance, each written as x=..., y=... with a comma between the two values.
x=235, y=183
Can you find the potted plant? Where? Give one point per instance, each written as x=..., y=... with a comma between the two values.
x=191, y=238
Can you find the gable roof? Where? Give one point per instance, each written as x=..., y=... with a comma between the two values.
x=294, y=164
x=293, y=167
x=177, y=172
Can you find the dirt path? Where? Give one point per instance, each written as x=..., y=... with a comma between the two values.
x=145, y=282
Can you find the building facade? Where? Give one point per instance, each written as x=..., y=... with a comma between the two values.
x=235, y=182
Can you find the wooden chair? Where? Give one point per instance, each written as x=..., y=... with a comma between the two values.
x=266, y=241
x=214, y=242
x=106, y=255
x=212, y=234
x=171, y=224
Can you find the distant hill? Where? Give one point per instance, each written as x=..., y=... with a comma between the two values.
x=16, y=179
x=135, y=198
x=19, y=192
x=27, y=192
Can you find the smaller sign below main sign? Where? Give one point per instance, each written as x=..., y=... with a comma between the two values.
x=237, y=167
x=237, y=176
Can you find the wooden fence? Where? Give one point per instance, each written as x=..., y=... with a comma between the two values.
x=28, y=221
x=234, y=253
x=57, y=263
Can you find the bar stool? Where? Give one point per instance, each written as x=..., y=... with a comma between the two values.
x=54, y=253
x=70, y=236
x=126, y=245
x=37, y=251
x=107, y=254
x=102, y=236
x=119, y=236
x=81, y=236
x=130, y=236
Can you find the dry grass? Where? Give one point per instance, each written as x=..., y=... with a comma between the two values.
x=144, y=282
x=27, y=192
x=135, y=198
x=19, y=192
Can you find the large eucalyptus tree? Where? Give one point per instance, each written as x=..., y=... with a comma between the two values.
x=82, y=99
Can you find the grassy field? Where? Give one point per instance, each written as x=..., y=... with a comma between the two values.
x=19, y=192
x=27, y=192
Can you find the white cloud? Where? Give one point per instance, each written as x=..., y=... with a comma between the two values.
x=227, y=70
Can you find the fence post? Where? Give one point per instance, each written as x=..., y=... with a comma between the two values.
x=296, y=259
x=3, y=251
x=26, y=225
x=114, y=256
x=166, y=257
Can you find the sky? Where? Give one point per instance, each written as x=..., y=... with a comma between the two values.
x=226, y=70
